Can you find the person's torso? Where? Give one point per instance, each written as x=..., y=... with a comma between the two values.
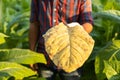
x=52, y=12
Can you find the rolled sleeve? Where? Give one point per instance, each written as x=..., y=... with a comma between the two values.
x=86, y=12
x=34, y=11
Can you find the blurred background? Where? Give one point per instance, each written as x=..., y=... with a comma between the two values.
x=14, y=23
x=104, y=61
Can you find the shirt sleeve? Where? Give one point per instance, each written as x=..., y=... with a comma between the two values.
x=34, y=11
x=86, y=12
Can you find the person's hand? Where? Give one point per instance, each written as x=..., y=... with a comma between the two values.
x=88, y=27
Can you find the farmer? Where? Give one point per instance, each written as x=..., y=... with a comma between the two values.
x=48, y=13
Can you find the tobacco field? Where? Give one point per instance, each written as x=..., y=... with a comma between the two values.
x=15, y=56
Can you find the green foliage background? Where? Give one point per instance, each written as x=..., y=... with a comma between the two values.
x=15, y=56
x=104, y=61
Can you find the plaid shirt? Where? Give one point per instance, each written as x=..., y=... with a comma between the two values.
x=50, y=12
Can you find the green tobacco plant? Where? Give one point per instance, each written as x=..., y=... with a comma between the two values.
x=13, y=61
x=15, y=23
x=17, y=30
x=106, y=16
x=9, y=69
x=106, y=23
x=108, y=60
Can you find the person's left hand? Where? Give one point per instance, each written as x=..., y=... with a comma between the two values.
x=88, y=27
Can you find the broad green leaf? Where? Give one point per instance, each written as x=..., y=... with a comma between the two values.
x=16, y=70
x=23, y=56
x=111, y=68
x=110, y=52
